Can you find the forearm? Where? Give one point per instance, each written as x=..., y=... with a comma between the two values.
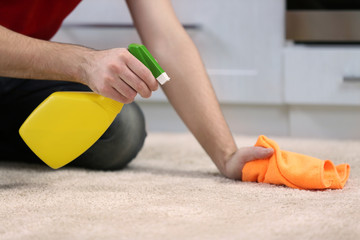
x=189, y=90
x=25, y=57
x=193, y=97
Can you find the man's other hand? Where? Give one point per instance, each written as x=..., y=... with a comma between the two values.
x=234, y=165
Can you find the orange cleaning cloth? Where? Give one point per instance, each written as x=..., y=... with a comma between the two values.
x=294, y=170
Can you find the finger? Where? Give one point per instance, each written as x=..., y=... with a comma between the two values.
x=135, y=83
x=122, y=88
x=261, y=153
x=255, y=153
x=142, y=72
x=116, y=95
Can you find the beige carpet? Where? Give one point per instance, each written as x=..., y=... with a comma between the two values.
x=173, y=191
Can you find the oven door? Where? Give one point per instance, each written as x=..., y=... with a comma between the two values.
x=323, y=21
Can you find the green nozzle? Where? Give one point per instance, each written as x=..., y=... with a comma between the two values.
x=141, y=53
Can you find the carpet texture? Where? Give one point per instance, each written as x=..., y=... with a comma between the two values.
x=173, y=191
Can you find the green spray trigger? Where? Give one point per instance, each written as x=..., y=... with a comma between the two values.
x=141, y=53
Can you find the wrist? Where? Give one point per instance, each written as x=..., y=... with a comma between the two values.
x=223, y=160
x=82, y=64
x=75, y=62
x=59, y=61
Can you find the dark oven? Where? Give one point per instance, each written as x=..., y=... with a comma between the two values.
x=323, y=21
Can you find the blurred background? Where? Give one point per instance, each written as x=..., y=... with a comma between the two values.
x=279, y=67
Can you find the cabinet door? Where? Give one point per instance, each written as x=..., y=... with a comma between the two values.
x=322, y=75
x=240, y=41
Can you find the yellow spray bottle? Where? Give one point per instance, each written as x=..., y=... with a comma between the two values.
x=66, y=124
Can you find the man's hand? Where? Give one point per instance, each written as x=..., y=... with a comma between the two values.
x=233, y=167
x=117, y=74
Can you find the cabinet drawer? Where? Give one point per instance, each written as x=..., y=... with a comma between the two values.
x=322, y=75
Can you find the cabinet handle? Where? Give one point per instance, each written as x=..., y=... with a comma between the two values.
x=351, y=79
x=117, y=25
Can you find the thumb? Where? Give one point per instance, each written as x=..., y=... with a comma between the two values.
x=255, y=153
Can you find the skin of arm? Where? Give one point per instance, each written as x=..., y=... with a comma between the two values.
x=190, y=91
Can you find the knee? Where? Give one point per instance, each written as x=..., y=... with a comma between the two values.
x=131, y=121
x=120, y=144
x=129, y=136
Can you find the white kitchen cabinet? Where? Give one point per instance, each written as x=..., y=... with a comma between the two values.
x=240, y=41
x=322, y=90
x=328, y=75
